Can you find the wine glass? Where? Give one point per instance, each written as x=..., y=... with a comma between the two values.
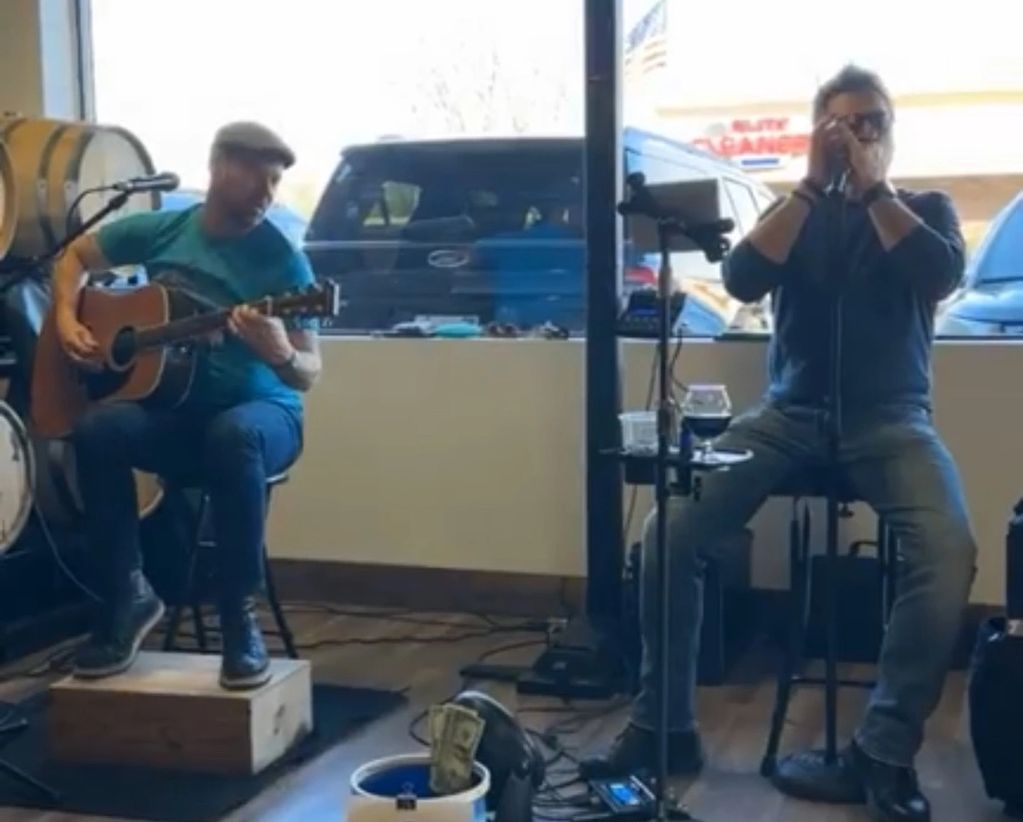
x=707, y=411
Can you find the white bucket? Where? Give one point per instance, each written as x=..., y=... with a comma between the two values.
x=376, y=787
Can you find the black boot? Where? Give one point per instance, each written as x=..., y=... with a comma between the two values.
x=245, y=662
x=125, y=619
x=635, y=749
x=893, y=794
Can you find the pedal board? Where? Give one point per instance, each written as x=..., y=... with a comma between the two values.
x=624, y=799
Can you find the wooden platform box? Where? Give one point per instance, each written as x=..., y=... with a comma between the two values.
x=169, y=711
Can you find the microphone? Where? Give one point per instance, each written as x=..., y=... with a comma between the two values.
x=840, y=182
x=166, y=181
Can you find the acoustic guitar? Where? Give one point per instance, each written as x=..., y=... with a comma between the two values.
x=147, y=347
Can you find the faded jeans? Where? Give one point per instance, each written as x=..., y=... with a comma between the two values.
x=896, y=462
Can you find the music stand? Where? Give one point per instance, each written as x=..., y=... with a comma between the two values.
x=685, y=217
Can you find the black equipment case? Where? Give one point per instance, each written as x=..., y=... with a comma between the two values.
x=996, y=685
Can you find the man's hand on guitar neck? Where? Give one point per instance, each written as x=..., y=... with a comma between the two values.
x=266, y=336
x=294, y=356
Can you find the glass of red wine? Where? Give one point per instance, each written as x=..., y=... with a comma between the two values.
x=707, y=412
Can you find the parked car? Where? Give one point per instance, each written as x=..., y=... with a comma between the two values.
x=292, y=224
x=493, y=230
x=990, y=301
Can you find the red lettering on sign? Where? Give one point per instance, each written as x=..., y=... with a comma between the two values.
x=746, y=126
x=745, y=144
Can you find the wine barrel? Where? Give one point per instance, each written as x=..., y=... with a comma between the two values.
x=55, y=160
x=8, y=202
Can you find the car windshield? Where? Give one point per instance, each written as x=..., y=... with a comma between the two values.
x=445, y=192
x=1000, y=258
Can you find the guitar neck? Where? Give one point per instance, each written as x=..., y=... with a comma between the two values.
x=181, y=330
x=315, y=301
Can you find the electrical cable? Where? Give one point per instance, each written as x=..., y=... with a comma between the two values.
x=52, y=543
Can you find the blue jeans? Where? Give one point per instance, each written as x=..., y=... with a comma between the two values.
x=897, y=463
x=231, y=452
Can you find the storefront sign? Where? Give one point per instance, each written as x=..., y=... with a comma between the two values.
x=757, y=142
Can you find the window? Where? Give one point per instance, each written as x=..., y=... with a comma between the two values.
x=709, y=311
x=490, y=229
x=746, y=210
x=460, y=192
x=396, y=203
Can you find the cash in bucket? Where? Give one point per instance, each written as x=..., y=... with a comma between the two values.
x=398, y=788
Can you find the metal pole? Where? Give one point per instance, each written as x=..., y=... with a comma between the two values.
x=603, y=169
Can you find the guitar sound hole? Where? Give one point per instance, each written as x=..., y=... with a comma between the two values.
x=122, y=352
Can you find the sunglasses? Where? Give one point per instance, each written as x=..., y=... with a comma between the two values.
x=878, y=121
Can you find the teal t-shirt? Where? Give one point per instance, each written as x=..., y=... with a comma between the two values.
x=175, y=252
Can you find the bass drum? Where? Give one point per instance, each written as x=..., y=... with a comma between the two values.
x=53, y=162
x=56, y=488
x=17, y=477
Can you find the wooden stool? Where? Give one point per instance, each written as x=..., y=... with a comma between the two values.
x=169, y=711
x=193, y=594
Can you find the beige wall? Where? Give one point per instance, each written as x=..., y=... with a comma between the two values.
x=468, y=453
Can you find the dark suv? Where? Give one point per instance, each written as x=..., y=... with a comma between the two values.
x=493, y=229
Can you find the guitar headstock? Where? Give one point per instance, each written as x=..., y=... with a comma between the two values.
x=321, y=299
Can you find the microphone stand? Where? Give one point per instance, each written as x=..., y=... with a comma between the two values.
x=138, y=185
x=819, y=774
x=24, y=266
x=711, y=241
x=838, y=265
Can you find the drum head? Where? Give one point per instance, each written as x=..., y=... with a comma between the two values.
x=17, y=477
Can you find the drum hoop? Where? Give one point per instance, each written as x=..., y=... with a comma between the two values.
x=28, y=503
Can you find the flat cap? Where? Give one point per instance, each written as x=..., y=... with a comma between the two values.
x=254, y=137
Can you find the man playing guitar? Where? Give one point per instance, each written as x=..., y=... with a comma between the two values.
x=242, y=421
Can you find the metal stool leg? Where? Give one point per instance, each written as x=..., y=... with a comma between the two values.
x=200, y=626
x=818, y=774
x=190, y=592
x=798, y=605
x=831, y=626
x=275, y=605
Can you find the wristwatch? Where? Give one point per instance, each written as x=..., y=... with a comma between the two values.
x=876, y=192
x=288, y=363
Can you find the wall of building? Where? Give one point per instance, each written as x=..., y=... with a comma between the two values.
x=469, y=454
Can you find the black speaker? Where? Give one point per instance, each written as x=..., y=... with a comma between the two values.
x=996, y=685
x=728, y=606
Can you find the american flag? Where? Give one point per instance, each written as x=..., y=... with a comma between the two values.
x=646, y=46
